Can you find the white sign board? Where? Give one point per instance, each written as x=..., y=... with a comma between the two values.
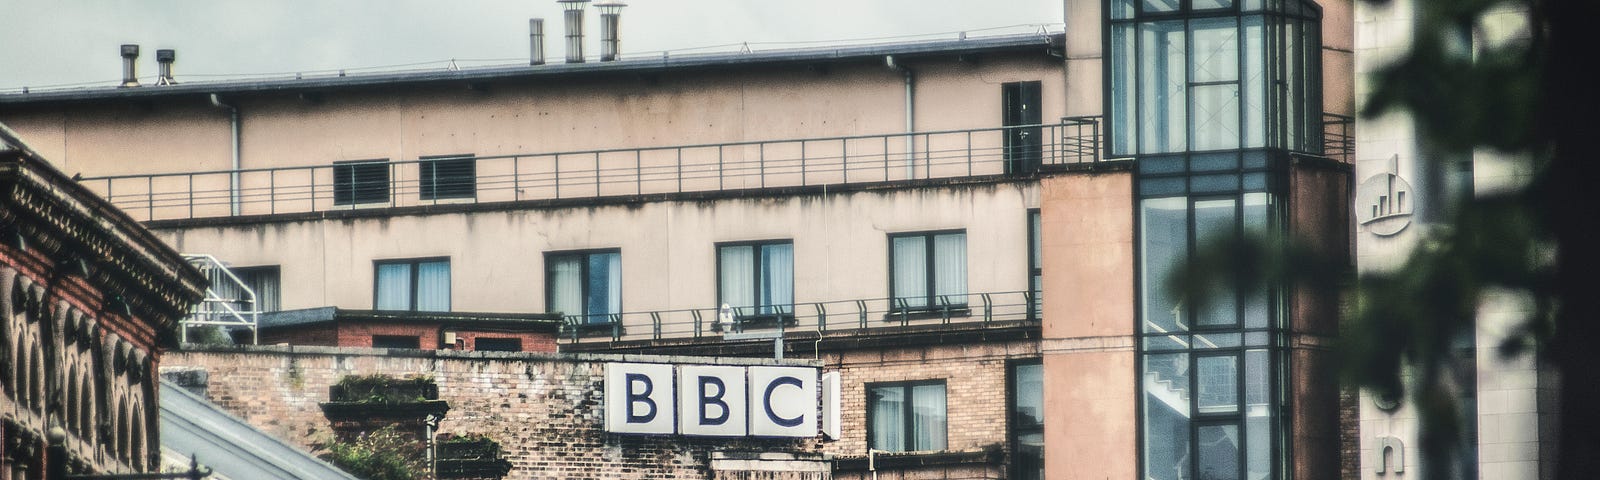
x=709, y=400
x=639, y=398
x=830, y=405
x=714, y=403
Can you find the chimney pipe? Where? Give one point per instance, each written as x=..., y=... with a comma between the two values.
x=164, y=59
x=610, y=44
x=536, y=41
x=129, y=76
x=574, y=15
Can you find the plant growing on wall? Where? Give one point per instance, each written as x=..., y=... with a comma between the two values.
x=383, y=454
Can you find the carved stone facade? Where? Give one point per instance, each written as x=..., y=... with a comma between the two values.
x=87, y=300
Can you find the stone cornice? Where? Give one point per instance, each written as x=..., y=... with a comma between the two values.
x=47, y=211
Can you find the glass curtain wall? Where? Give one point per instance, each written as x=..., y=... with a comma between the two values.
x=1210, y=97
x=1213, y=75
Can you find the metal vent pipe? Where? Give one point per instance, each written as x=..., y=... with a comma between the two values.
x=130, y=77
x=536, y=41
x=574, y=16
x=610, y=16
x=164, y=59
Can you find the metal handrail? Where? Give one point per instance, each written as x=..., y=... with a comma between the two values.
x=612, y=172
x=216, y=310
x=893, y=313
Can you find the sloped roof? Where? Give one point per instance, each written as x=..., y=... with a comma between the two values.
x=192, y=426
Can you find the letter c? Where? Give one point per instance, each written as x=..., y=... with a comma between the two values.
x=767, y=401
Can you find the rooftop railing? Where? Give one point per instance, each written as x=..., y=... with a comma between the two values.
x=899, y=157
x=977, y=309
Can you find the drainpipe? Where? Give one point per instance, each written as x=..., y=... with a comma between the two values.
x=233, y=176
x=911, y=114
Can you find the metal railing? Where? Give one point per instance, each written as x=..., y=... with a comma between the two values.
x=1338, y=137
x=229, y=302
x=821, y=317
x=606, y=173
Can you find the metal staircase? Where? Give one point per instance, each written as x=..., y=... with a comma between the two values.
x=229, y=302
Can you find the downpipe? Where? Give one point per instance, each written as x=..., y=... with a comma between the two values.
x=233, y=174
x=911, y=113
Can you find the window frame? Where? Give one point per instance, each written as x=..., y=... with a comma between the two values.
x=1015, y=431
x=1035, y=263
x=909, y=418
x=476, y=347
x=414, y=264
x=549, y=283
x=277, y=270
x=931, y=278
x=352, y=193
x=785, y=312
x=428, y=186
x=392, y=338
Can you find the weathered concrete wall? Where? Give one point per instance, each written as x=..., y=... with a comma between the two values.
x=279, y=130
x=667, y=248
x=1087, y=232
x=545, y=410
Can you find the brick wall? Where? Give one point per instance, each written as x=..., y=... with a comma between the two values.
x=976, y=397
x=316, y=335
x=544, y=409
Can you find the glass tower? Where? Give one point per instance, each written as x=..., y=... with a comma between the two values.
x=1211, y=98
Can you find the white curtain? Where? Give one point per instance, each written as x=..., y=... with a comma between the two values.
x=777, y=282
x=927, y=409
x=738, y=288
x=950, y=267
x=566, y=285
x=888, y=419
x=433, y=286
x=394, y=287
x=613, y=282
x=910, y=271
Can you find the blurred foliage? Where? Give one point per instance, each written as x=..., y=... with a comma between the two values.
x=1468, y=87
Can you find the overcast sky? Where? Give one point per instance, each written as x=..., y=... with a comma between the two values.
x=51, y=43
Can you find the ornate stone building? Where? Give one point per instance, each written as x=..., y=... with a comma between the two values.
x=88, y=298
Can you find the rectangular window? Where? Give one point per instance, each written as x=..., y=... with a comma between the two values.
x=421, y=285
x=1021, y=113
x=905, y=417
x=360, y=181
x=584, y=286
x=756, y=278
x=448, y=176
x=928, y=271
x=1027, y=420
x=261, y=280
x=1035, y=266
x=483, y=344
x=396, y=341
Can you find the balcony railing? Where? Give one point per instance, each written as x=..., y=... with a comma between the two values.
x=606, y=173
x=978, y=309
x=1338, y=137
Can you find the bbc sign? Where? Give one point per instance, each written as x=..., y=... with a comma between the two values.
x=718, y=401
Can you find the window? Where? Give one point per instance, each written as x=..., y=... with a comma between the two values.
x=756, y=278
x=1209, y=75
x=262, y=280
x=448, y=176
x=1208, y=372
x=928, y=271
x=483, y=344
x=1024, y=137
x=421, y=285
x=361, y=181
x=1027, y=420
x=396, y=341
x=904, y=417
x=1035, y=266
x=584, y=286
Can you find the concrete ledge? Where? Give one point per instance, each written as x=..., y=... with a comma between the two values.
x=990, y=455
x=503, y=356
